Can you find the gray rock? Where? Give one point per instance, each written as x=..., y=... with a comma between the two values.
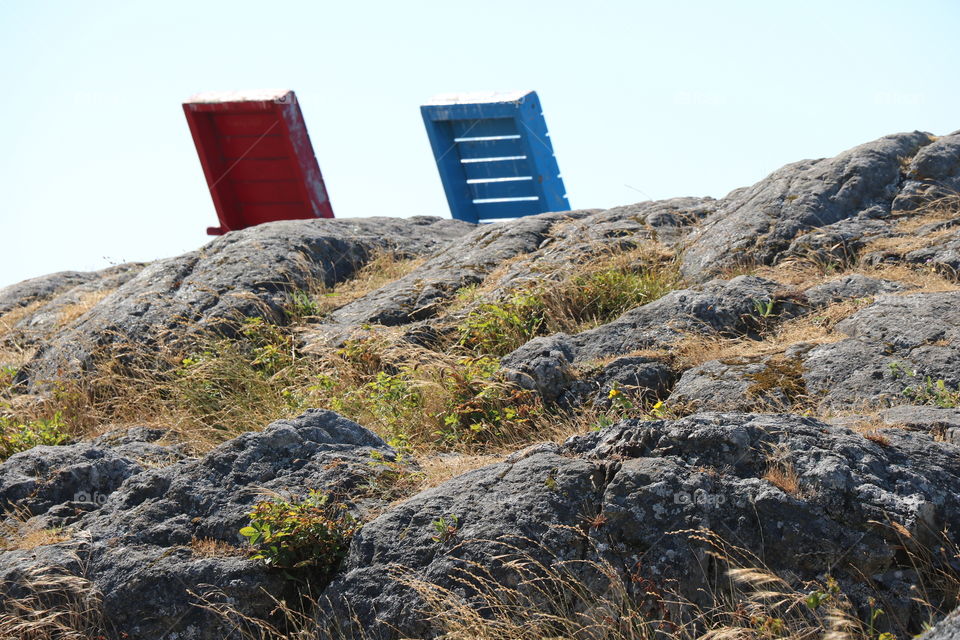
x=895, y=343
x=45, y=476
x=636, y=376
x=934, y=172
x=48, y=319
x=771, y=383
x=136, y=548
x=717, y=386
x=520, y=251
x=719, y=307
x=850, y=287
x=940, y=422
x=946, y=629
x=248, y=273
x=943, y=255
x=211, y=496
x=651, y=482
x=757, y=224
x=24, y=293
x=840, y=243
x=423, y=292
x=78, y=478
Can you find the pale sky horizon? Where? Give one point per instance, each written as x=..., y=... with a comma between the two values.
x=644, y=100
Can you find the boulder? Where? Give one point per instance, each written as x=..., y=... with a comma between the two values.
x=894, y=346
x=730, y=308
x=639, y=496
x=756, y=225
x=78, y=478
x=248, y=273
x=850, y=287
x=141, y=545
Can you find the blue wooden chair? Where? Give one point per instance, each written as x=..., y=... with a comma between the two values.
x=494, y=155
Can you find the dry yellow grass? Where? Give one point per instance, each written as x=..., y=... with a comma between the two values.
x=439, y=469
x=10, y=319
x=86, y=301
x=382, y=268
x=17, y=532
x=784, y=476
x=813, y=328
x=56, y=606
x=212, y=548
x=27, y=537
x=781, y=471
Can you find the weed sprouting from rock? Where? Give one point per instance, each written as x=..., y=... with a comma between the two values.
x=300, y=533
x=925, y=390
x=595, y=293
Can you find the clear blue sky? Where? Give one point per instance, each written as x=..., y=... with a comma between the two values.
x=643, y=100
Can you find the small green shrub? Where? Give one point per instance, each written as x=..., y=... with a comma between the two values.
x=933, y=392
x=498, y=329
x=7, y=376
x=17, y=436
x=417, y=398
x=445, y=528
x=926, y=390
x=300, y=533
x=595, y=294
x=302, y=306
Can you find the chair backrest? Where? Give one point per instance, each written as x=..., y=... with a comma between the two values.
x=494, y=155
x=257, y=158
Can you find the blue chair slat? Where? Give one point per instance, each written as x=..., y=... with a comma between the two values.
x=505, y=189
x=483, y=141
x=514, y=209
x=485, y=170
x=484, y=128
x=508, y=148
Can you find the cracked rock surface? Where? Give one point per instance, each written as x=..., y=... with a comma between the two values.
x=649, y=479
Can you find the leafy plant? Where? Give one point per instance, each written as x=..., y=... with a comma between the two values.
x=302, y=306
x=299, y=533
x=818, y=597
x=446, y=528
x=765, y=308
x=7, y=376
x=392, y=479
x=497, y=329
x=415, y=398
x=17, y=436
x=925, y=389
x=596, y=292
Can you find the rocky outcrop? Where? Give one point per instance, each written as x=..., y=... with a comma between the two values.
x=249, y=273
x=77, y=478
x=757, y=224
x=39, y=289
x=521, y=252
x=750, y=477
x=424, y=292
x=895, y=345
x=736, y=307
x=631, y=496
x=850, y=287
x=51, y=316
x=137, y=543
